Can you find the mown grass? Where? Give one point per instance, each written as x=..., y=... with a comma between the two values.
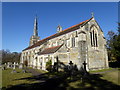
x=101, y=81
x=102, y=70
x=40, y=71
x=112, y=76
x=106, y=79
x=0, y=77
x=10, y=78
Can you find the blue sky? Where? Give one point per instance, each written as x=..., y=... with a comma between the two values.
x=18, y=19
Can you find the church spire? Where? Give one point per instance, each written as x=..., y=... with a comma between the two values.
x=34, y=38
x=35, y=32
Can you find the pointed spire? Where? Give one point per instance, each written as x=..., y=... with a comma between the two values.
x=35, y=32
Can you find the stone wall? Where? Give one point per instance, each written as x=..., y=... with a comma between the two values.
x=95, y=57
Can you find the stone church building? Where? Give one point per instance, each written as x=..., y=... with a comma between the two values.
x=83, y=42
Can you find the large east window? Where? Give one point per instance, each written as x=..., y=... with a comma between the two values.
x=93, y=36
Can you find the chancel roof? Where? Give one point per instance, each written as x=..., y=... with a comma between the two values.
x=72, y=28
x=50, y=50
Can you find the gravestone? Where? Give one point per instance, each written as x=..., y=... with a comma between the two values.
x=3, y=67
x=8, y=64
x=5, y=64
x=14, y=65
x=17, y=64
x=20, y=66
x=71, y=69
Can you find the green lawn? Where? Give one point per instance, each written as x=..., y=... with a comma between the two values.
x=9, y=79
x=101, y=81
x=95, y=81
x=0, y=77
x=112, y=76
x=109, y=74
x=102, y=70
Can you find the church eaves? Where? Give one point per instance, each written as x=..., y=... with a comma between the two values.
x=72, y=28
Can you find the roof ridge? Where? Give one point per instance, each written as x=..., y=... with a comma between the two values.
x=49, y=37
x=50, y=50
x=53, y=47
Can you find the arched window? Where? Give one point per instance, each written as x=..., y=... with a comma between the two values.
x=76, y=34
x=96, y=39
x=93, y=36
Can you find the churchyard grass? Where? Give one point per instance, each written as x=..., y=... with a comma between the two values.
x=112, y=76
x=10, y=78
x=40, y=71
x=106, y=76
x=0, y=77
x=102, y=70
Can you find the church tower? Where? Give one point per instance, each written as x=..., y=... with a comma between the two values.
x=34, y=38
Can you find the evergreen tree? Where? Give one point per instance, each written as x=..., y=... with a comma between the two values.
x=113, y=44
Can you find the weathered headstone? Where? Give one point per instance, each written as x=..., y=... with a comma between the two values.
x=5, y=63
x=14, y=65
x=3, y=67
x=20, y=66
x=8, y=64
x=17, y=64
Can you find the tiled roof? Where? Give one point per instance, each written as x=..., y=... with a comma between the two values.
x=72, y=28
x=50, y=50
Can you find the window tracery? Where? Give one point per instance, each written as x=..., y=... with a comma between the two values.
x=94, y=36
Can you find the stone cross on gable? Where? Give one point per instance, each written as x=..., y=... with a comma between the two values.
x=92, y=14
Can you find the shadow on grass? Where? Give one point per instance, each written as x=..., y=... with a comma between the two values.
x=44, y=82
x=90, y=81
x=62, y=80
